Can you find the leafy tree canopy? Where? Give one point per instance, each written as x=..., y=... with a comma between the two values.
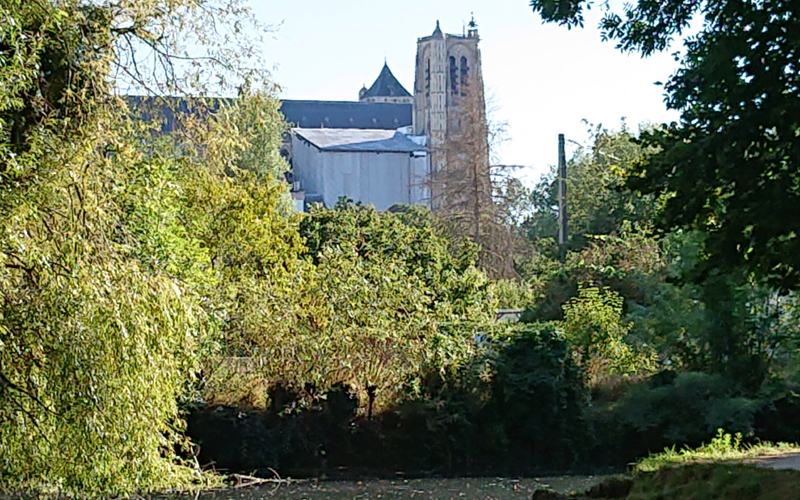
x=597, y=204
x=377, y=302
x=109, y=281
x=731, y=162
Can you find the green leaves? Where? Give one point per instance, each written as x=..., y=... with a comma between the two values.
x=376, y=302
x=598, y=204
x=735, y=148
x=594, y=328
x=100, y=341
x=114, y=282
x=730, y=164
x=567, y=13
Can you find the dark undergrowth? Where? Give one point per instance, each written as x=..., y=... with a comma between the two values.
x=537, y=423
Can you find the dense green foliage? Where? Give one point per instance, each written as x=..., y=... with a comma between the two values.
x=146, y=277
x=721, y=347
x=377, y=300
x=597, y=204
x=519, y=402
x=95, y=345
x=110, y=288
x=730, y=164
x=621, y=352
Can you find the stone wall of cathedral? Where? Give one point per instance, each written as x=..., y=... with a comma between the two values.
x=448, y=79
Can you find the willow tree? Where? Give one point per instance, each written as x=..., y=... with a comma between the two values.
x=106, y=281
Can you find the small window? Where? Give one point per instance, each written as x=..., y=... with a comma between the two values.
x=464, y=72
x=453, y=76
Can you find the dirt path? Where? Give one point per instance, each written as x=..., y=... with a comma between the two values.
x=786, y=462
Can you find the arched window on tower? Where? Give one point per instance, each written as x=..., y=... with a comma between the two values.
x=428, y=77
x=464, y=72
x=453, y=76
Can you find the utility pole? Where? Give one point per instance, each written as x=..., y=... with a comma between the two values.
x=562, y=193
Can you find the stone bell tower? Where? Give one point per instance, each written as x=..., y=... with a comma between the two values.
x=448, y=70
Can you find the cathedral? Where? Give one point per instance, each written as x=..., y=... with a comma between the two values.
x=387, y=147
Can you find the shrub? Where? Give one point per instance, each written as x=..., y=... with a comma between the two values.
x=539, y=397
x=594, y=327
x=519, y=404
x=778, y=416
x=670, y=409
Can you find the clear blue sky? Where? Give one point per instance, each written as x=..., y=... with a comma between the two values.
x=545, y=79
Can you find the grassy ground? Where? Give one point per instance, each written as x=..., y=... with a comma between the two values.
x=717, y=481
x=723, y=448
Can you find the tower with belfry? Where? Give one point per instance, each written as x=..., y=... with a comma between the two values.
x=448, y=95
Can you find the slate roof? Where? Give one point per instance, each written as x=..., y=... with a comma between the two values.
x=305, y=114
x=346, y=114
x=149, y=108
x=358, y=140
x=386, y=86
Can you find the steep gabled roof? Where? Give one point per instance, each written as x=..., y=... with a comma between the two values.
x=386, y=86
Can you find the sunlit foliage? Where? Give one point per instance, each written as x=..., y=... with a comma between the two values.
x=107, y=286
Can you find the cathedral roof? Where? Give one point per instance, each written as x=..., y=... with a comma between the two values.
x=346, y=114
x=386, y=86
x=307, y=114
x=359, y=140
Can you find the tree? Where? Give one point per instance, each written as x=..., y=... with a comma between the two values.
x=730, y=164
x=598, y=204
x=379, y=302
x=465, y=191
x=106, y=303
x=594, y=327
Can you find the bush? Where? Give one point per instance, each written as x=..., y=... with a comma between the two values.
x=519, y=405
x=778, y=416
x=669, y=410
x=295, y=433
x=539, y=397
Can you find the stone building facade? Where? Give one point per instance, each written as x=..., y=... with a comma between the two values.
x=448, y=69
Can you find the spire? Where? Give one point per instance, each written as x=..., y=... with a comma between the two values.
x=473, y=28
x=386, y=85
x=437, y=33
